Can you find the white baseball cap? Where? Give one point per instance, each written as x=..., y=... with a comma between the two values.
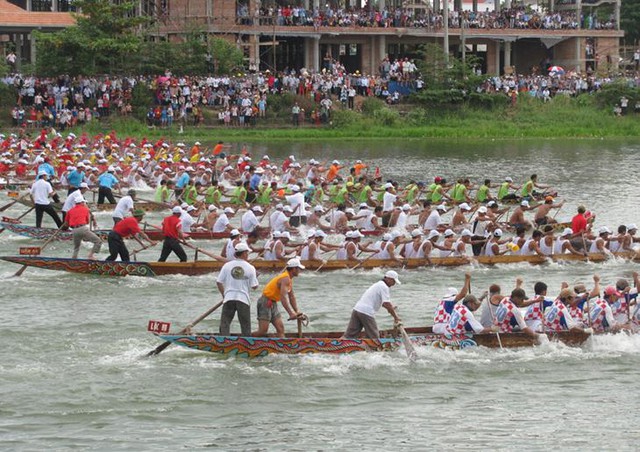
x=392, y=274
x=566, y=231
x=417, y=232
x=524, y=203
x=386, y=237
x=632, y=227
x=295, y=188
x=441, y=207
x=508, y=179
x=84, y=185
x=288, y=209
x=191, y=209
x=388, y=185
x=448, y=233
x=498, y=232
x=241, y=247
x=229, y=210
x=335, y=162
x=279, y=207
x=295, y=263
x=364, y=205
x=257, y=209
x=465, y=206
x=604, y=230
x=466, y=233
x=433, y=234
x=481, y=209
x=234, y=232
x=319, y=233
x=406, y=207
x=350, y=210
x=285, y=235
x=176, y=209
x=318, y=209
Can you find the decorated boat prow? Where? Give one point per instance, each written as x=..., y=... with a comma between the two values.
x=85, y=266
x=45, y=233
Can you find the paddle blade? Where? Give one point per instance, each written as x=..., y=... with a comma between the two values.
x=21, y=271
x=408, y=346
x=159, y=349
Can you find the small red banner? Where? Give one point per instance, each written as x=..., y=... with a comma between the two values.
x=13, y=194
x=30, y=250
x=158, y=327
x=10, y=220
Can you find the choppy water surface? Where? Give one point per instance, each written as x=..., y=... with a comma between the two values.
x=72, y=377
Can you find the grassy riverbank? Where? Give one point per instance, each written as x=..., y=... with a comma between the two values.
x=530, y=118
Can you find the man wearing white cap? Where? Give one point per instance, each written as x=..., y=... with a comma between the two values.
x=434, y=220
x=446, y=305
x=78, y=219
x=389, y=200
x=459, y=219
x=187, y=218
x=348, y=249
x=235, y=280
x=106, y=183
x=228, y=249
x=517, y=219
x=172, y=232
x=249, y=221
x=310, y=252
x=562, y=243
x=363, y=313
x=279, y=291
x=41, y=193
x=124, y=206
x=72, y=199
x=278, y=220
x=503, y=191
x=222, y=224
x=599, y=245
x=296, y=201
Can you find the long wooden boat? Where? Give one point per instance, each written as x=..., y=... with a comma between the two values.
x=147, y=206
x=202, y=267
x=46, y=233
x=332, y=343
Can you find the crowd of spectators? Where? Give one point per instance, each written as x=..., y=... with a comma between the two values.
x=518, y=17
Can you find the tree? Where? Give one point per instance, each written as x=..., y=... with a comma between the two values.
x=630, y=20
x=105, y=37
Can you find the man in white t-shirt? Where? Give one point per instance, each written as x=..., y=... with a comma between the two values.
x=73, y=197
x=234, y=281
x=249, y=220
x=124, y=208
x=363, y=314
x=296, y=201
x=187, y=220
x=41, y=192
x=388, y=203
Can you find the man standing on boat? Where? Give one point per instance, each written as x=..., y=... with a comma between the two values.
x=363, y=314
x=172, y=232
x=124, y=206
x=279, y=290
x=78, y=219
x=234, y=281
x=41, y=192
x=126, y=228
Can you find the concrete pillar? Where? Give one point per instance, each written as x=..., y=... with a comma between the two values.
x=617, y=14
x=579, y=59
x=382, y=48
x=305, y=4
x=382, y=4
x=54, y=5
x=552, y=5
x=316, y=4
x=314, y=58
x=33, y=48
x=496, y=5
x=474, y=6
x=19, y=42
x=507, y=54
x=436, y=5
x=497, y=57
x=29, y=5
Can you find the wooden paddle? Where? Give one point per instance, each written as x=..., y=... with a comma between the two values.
x=6, y=206
x=200, y=250
x=20, y=217
x=49, y=240
x=408, y=346
x=164, y=345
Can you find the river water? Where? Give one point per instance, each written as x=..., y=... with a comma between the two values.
x=72, y=376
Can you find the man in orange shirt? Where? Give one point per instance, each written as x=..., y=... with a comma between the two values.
x=333, y=170
x=172, y=231
x=78, y=219
x=279, y=290
x=359, y=167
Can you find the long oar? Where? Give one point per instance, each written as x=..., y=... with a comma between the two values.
x=20, y=217
x=408, y=346
x=49, y=240
x=6, y=206
x=164, y=345
x=200, y=250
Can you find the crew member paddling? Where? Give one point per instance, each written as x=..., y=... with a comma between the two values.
x=78, y=219
x=126, y=228
x=235, y=280
x=279, y=290
x=363, y=314
x=172, y=232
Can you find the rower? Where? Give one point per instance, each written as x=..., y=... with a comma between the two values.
x=483, y=195
x=172, y=232
x=503, y=191
x=434, y=220
x=446, y=305
x=508, y=317
x=447, y=246
x=228, y=250
x=223, y=224
x=557, y=317
x=621, y=242
x=577, y=305
x=249, y=221
x=389, y=200
x=459, y=219
x=599, y=245
x=78, y=218
x=371, y=221
x=338, y=219
x=489, y=308
x=363, y=313
x=279, y=221
x=107, y=181
x=462, y=319
x=601, y=315
x=128, y=227
x=41, y=193
x=563, y=244
x=280, y=240
x=187, y=219
x=386, y=248
x=279, y=290
x=547, y=242
x=532, y=245
x=72, y=199
x=481, y=227
x=124, y=207
x=517, y=219
x=542, y=211
x=492, y=248
x=528, y=189
x=310, y=251
x=415, y=248
x=234, y=281
x=534, y=312
x=314, y=220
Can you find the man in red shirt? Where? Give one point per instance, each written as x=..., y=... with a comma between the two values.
x=172, y=231
x=78, y=219
x=579, y=222
x=127, y=227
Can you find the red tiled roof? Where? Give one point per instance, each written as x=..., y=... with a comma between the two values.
x=14, y=16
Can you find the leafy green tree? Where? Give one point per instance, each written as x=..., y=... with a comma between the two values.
x=103, y=41
x=630, y=20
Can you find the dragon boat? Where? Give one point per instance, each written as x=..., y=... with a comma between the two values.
x=147, y=206
x=332, y=343
x=201, y=267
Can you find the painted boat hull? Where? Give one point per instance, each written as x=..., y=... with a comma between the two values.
x=333, y=344
x=202, y=267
